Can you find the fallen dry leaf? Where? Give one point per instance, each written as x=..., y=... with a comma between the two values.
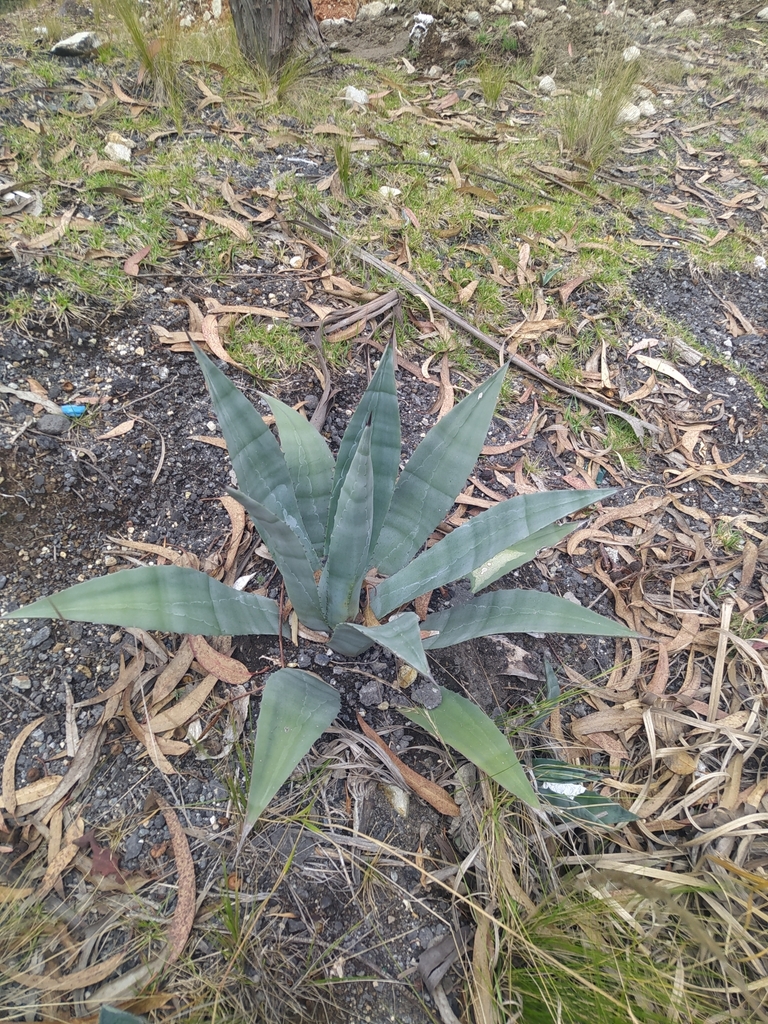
x=131, y=265
x=662, y=366
x=210, y=329
x=434, y=795
x=227, y=669
x=182, y=711
x=234, y=226
x=9, y=766
x=184, y=914
x=118, y=431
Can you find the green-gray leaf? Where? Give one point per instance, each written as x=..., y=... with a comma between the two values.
x=460, y=724
x=434, y=475
x=110, y=1015
x=293, y=557
x=518, y=554
x=379, y=405
x=164, y=597
x=255, y=454
x=516, y=611
x=296, y=709
x=401, y=635
x=310, y=465
x=482, y=538
x=350, y=539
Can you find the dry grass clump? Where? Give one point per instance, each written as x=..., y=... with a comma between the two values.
x=587, y=119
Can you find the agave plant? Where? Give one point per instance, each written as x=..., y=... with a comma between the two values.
x=347, y=531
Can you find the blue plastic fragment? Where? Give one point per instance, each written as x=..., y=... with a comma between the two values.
x=73, y=410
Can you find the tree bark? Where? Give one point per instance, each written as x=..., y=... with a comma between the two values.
x=270, y=32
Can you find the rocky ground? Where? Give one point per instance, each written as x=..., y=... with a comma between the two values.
x=345, y=921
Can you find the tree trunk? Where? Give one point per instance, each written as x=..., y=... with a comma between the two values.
x=269, y=32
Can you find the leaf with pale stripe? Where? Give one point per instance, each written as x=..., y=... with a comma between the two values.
x=350, y=540
x=434, y=475
x=293, y=557
x=163, y=597
x=460, y=724
x=296, y=709
x=256, y=458
x=473, y=544
x=516, y=611
x=518, y=554
x=379, y=406
x=401, y=635
x=310, y=465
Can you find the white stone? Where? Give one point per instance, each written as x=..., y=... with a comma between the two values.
x=371, y=11
x=641, y=93
x=117, y=151
x=353, y=95
x=685, y=18
x=646, y=108
x=435, y=71
x=538, y=14
x=762, y=15
x=547, y=85
x=759, y=261
x=78, y=45
x=519, y=25
x=631, y=53
x=389, y=192
x=629, y=114
x=473, y=19
x=187, y=21
x=421, y=25
x=216, y=9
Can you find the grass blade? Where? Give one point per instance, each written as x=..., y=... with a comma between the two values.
x=164, y=597
x=310, y=465
x=516, y=611
x=350, y=542
x=470, y=546
x=379, y=407
x=296, y=709
x=293, y=557
x=434, y=475
x=401, y=635
x=460, y=724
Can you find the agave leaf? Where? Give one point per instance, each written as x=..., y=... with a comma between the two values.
x=110, y=1015
x=473, y=544
x=518, y=554
x=296, y=709
x=293, y=557
x=350, y=540
x=516, y=611
x=163, y=597
x=259, y=464
x=310, y=465
x=460, y=724
x=434, y=475
x=379, y=407
x=401, y=635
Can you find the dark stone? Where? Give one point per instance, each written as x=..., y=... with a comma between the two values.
x=52, y=424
